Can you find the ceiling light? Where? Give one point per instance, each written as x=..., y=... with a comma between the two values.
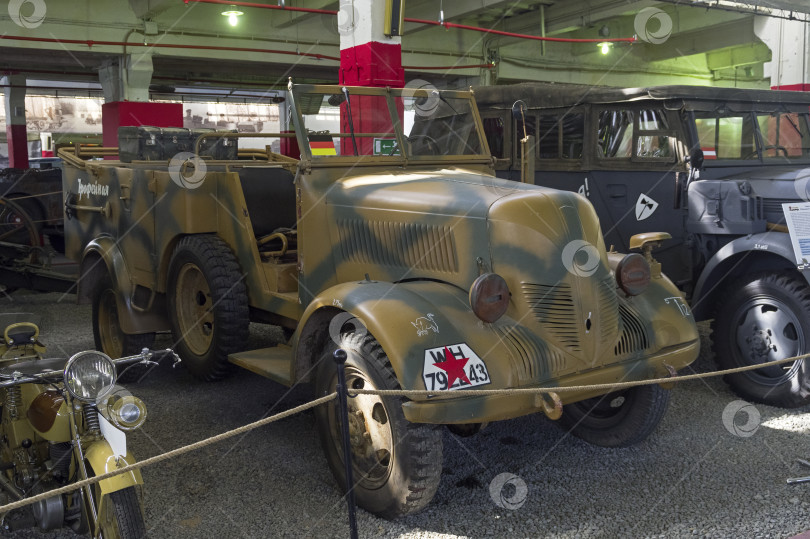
x=233, y=15
x=604, y=47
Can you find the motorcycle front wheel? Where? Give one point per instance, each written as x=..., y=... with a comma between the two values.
x=120, y=515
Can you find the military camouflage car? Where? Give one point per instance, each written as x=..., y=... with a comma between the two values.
x=392, y=239
x=710, y=166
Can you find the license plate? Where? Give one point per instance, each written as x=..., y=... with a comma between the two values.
x=452, y=367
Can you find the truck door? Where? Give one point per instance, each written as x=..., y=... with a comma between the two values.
x=635, y=178
x=136, y=223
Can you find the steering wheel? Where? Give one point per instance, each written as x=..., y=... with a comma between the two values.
x=766, y=148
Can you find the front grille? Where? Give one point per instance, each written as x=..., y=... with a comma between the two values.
x=633, y=337
x=538, y=361
x=554, y=308
x=407, y=245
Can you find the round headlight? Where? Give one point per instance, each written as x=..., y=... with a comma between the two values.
x=633, y=274
x=126, y=412
x=489, y=297
x=90, y=376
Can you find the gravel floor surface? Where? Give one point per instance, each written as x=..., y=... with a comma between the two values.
x=692, y=478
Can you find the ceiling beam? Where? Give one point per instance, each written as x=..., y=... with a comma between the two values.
x=145, y=9
x=457, y=9
x=296, y=17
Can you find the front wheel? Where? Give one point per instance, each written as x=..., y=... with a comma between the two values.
x=107, y=333
x=619, y=419
x=120, y=515
x=765, y=318
x=397, y=465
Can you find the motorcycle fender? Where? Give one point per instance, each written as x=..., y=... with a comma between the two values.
x=103, y=255
x=774, y=244
x=410, y=320
x=102, y=459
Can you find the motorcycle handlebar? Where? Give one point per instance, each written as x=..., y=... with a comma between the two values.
x=145, y=356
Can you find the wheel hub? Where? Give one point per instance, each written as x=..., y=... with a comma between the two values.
x=761, y=343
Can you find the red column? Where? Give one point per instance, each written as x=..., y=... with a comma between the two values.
x=367, y=58
x=16, y=132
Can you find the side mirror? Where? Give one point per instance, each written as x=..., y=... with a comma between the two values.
x=696, y=158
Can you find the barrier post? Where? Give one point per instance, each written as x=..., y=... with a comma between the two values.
x=343, y=411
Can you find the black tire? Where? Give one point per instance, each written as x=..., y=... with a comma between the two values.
x=107, y=333
x=123, y=517
x=761, y=318
x=391, y=481
x=57, y=241
x=619, y=419
x=208, y=305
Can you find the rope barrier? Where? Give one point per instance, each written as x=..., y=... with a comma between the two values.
x=540, y=390
x=165, y=456
x=387, y=392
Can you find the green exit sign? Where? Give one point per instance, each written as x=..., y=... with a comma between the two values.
x=385, y=146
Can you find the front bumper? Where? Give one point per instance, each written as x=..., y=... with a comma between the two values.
x=507, y=406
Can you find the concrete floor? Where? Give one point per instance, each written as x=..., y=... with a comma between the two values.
x=692, y=478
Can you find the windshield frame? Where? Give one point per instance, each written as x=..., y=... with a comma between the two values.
x=390, y=94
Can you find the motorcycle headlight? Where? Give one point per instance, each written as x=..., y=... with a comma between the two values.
x=633, y=274
x=126, y=412
x=90, y=376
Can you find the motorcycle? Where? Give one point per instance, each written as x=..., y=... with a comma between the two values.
x=64, y=420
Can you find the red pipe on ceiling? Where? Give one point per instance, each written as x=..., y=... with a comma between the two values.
x=421, y=21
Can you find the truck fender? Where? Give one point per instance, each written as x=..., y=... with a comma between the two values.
x=102, y=459
x=755, y=252
x=407, y=319
x=102, y=257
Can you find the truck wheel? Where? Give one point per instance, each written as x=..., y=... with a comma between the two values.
x=208, y=305
x=763, y=318
x=619, y=419
x=107, y=332
x=397, y=464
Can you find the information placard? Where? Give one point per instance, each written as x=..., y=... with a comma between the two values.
x=797, y=217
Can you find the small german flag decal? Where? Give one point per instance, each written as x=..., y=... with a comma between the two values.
x=322, y=144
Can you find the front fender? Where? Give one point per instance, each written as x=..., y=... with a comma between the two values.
x=407, y=319
x=774, y=247
x=102, y=257
x=102, y=459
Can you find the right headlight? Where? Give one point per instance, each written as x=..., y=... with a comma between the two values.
x=125, y=412
x=633, y=274
x=489, y=297
x=90, y=376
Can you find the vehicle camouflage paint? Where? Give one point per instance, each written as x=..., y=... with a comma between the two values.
x=393, y=240
x=712, y=167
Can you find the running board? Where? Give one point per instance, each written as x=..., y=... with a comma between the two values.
x=274, y=363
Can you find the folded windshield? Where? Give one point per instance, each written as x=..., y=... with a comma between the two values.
x=340, y=121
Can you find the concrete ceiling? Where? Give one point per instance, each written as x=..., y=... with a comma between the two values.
x=706, y=46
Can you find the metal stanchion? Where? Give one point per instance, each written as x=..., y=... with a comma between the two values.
x=797, y=480
x=343, y=409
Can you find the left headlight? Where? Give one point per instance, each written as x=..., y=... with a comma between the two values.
x=633, y=274
x=489, y=297
x=90, y=376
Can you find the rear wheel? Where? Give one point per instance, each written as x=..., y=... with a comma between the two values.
x=208, y=305
x=765, y=318
x=619, y=419
x=397, y=465
x=109, y=337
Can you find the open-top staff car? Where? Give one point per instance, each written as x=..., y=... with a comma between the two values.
x=392, y=239
x=710, y=166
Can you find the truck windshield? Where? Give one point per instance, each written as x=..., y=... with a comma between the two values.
x=772, y=137
x=395, y=123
